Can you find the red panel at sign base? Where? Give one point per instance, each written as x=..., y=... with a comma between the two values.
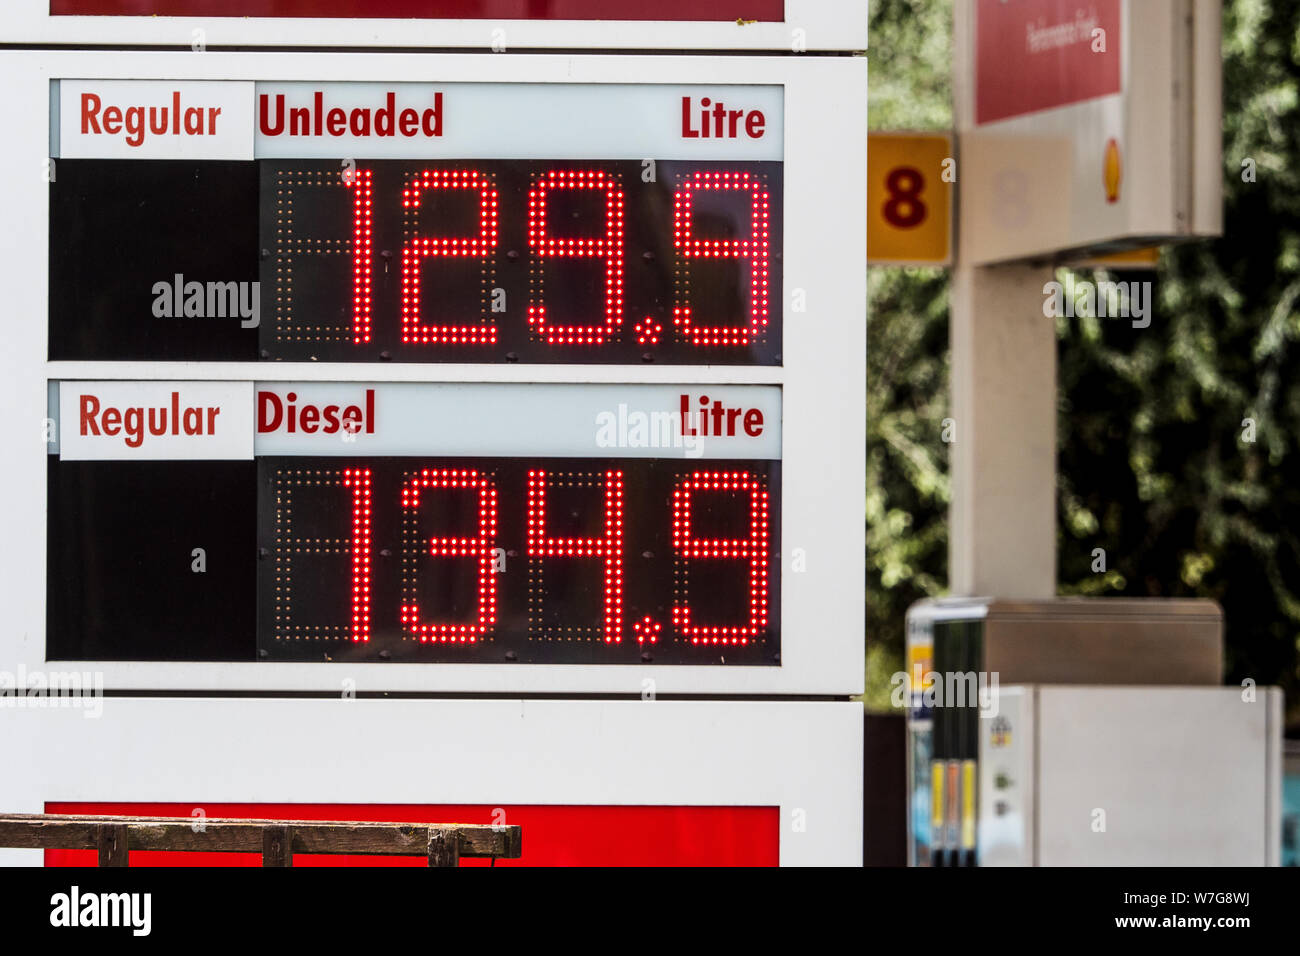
x=553, y=835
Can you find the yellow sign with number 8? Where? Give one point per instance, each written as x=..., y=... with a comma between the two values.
x=910, y=179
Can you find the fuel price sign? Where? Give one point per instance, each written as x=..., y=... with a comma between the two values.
x=455, y=373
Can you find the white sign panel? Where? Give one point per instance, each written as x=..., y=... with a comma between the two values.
x=137, y=421
x=123, y=119
x=149, y=119
x=198, y=420
x=518, y=121
x=628, y=421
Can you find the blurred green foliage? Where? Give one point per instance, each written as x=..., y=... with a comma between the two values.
x=1154, y=465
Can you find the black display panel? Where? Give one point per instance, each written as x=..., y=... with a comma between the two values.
x=438, y=560
x=123, y=581
x=575, y=561
x=481, y=261
x=119, y=229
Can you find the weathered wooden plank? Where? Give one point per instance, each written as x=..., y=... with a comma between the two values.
x=277, y=846
x=112, y=842
x=444, y=847
x=56, y=831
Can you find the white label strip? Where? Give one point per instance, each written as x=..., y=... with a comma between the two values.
x=518, y=121
x=164, y=119
x=125, y=421
x=590, y=420
x=150, y=119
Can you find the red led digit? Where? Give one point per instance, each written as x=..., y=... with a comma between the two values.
x=608, y=547
x=422, y=247
x=753, y=249
x=358, y=479
x=609, y=247
x=753, y=549
x=480, y=548
x=360, y=182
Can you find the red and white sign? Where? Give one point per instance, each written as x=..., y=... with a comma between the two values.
x=1086, y=125
x=1038, y=54
x=155, y=420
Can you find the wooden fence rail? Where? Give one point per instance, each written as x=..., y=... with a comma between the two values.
x=443, y=844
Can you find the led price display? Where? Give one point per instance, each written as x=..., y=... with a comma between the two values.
x=580, y=560
x=482, y=261
x=471, y=560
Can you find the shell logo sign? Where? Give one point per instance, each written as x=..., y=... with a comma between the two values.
x=1112, y=171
